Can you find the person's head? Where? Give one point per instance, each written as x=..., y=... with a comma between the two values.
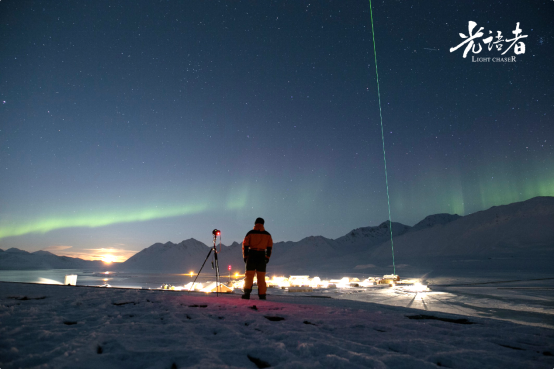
x=259, y=220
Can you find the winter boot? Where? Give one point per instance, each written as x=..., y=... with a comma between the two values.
x=262, y=297
x=246, y=294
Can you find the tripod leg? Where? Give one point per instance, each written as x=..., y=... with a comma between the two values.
x=216, y=273
x=208, y=256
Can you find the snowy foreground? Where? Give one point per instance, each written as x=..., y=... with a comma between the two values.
x=85, y=327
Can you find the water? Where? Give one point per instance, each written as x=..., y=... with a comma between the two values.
x=100, y=278
x=129, y=279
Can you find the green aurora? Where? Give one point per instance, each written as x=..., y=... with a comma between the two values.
x=97, y=219
x=459, y=199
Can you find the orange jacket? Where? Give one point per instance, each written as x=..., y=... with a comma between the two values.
x=257, y=239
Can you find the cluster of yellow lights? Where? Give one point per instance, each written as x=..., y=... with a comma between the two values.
x=236, y=275
x=305, y=281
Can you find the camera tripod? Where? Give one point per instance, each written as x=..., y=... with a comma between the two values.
x=215, y=233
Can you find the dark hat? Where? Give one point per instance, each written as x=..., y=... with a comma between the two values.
x=259, y=220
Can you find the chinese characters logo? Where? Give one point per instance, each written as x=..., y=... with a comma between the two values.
x=472, y=41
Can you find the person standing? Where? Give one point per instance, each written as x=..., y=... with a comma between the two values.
x=256, y=251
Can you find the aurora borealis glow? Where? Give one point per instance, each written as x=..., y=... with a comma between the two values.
x=123, y=124
x=96, y=220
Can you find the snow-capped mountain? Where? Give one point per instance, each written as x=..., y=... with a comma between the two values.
x=518, y=229
x=432, y=220
x=366, y=237
x=168, y=257
x=313, y=251
x=183, y=257
x=17, y=259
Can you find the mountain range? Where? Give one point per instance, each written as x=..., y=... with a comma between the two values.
x=508, y=236
x=17, y=259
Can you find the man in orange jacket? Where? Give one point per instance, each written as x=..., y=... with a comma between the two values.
x=256, y=250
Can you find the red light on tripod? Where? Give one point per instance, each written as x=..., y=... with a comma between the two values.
x=229, y=267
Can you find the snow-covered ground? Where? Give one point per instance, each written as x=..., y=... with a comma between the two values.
x=490, y=302
x=527, y=304
x=85, y=327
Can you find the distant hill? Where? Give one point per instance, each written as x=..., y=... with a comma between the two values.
x=17, y=259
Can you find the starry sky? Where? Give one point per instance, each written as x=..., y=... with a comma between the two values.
x=125, y=123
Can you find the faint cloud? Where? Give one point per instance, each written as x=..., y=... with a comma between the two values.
x=110, y=250
x=73, y=254
x=57, y=248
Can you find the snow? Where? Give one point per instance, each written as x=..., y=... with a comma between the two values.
x=74, y=327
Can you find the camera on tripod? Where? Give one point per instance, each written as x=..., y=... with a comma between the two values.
x=215, y=261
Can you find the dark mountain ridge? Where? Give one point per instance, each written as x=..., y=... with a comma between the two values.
x=17, y=259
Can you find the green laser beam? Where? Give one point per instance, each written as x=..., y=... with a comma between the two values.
x=98, y=219
x=382, y=137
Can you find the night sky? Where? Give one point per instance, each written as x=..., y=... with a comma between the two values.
x=125, y=123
